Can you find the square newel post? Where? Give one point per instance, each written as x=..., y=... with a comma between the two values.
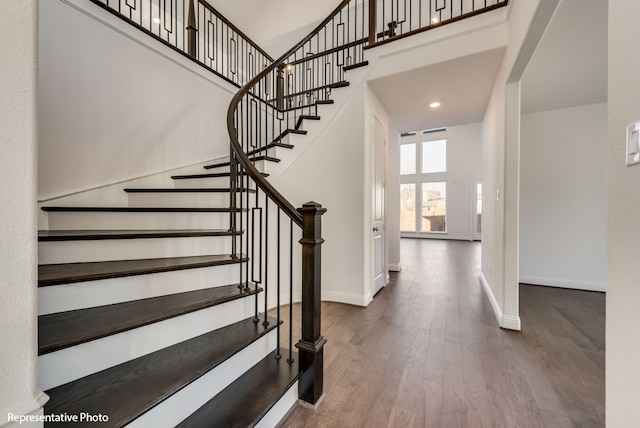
x=192, y=29
x=310, y=346
x=280, y=88
x=372, y=22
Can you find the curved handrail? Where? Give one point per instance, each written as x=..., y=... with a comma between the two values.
x=242, y=157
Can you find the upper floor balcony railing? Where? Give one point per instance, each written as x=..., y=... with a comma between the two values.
x=195, y=29
x=395, y=19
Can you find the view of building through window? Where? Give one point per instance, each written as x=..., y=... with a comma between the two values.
x=434, y=207
x=423, y=195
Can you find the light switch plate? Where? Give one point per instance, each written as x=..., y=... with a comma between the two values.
x=633, y=144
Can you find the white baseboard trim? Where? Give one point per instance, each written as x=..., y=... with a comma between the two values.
x=395, y=267
x=497, y=311
x=348, y=298
x=564, y=283
x=31, y=406
x=509, y=322
x=435, y=235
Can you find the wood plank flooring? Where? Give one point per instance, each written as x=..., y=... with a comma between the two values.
x=428, y=353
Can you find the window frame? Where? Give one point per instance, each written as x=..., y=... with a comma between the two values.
x=420, y=178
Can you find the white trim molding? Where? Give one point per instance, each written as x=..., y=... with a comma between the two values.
x=497, y=311
x=393, y=267
x=564, y=283
x=509, y=322
x=348, y=298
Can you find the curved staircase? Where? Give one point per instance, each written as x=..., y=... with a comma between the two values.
x=168, y=311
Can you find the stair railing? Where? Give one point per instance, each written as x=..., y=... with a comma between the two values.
x=394, y=19
x=196, y=30
x=272, y=105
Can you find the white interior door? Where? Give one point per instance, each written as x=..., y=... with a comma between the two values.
x=379, y=248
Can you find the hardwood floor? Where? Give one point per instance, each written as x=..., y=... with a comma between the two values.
x=428, y=353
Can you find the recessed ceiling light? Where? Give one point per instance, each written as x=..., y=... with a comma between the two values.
x=434, y=19
x=156, y=20
x=435, y=104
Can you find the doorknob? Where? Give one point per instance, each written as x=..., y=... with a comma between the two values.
x=375, y=229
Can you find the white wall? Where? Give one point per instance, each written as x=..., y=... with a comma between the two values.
x=18, y=135
x=330, y=170
x=501, y=130
x=563, y=198
x=623, y=291
x=392, y=201
x=112, y=108
x=464, y=165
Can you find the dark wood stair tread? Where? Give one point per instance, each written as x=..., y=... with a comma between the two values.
x=209, y=175
x=64, y=329
x=65, y=273
x=183, y=190
x=270, y=146
x=341, y=84
x=94, y=235
x=137, y=209
x=289, y=131
x=128, y=390
x=255, y=159
x=304, y=117
x=357, y=65
x=243, y=403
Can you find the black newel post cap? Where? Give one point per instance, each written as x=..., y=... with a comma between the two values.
x=312, y=208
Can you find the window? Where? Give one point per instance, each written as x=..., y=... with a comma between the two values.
x=434, y=207
x=408, y=207
x=434, y=156
x=408, y=159
x=423, y=188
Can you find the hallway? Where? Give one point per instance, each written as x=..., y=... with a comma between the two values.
x=428, y=353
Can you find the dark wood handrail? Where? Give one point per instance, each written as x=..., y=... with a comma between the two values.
x=234, y=28
x=242, y=157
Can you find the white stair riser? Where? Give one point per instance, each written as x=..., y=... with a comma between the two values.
x=67, y=297
x=72, y=363
x=206, y=182
x=189, y=399
x=50, y=252
x=134, y=221
x=281, y=408
x=195, y=199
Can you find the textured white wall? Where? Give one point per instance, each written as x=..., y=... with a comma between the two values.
x=18, y=136
x=623, y=281
x=563, y=198
x=112, y=108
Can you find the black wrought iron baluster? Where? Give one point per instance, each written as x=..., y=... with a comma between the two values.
x=278, y=354
x=255, y=211
x=232, y=201
x=247, y=232
x=290, y=359
x=239, y=232
x=266, y=259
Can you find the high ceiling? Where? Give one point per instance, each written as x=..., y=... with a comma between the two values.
x=569, y=67
x=462, y=86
